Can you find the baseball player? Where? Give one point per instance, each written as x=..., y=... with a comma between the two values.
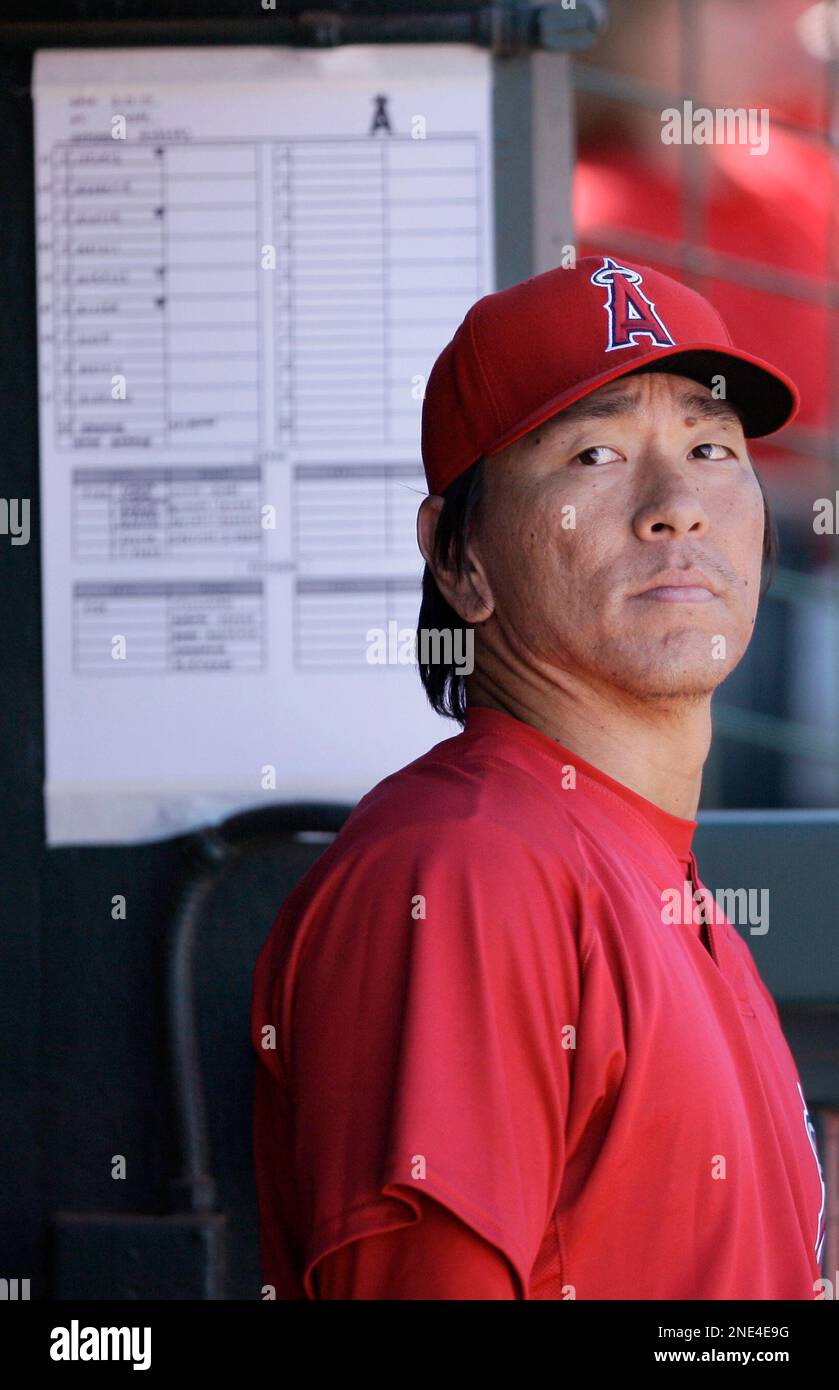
x=508, y=1047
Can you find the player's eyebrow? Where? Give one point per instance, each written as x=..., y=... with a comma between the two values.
x=597, y=407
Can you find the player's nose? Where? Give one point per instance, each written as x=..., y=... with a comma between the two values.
x=670, y=507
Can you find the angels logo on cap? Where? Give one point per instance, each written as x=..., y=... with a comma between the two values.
x=524, y=353
x=630, y=313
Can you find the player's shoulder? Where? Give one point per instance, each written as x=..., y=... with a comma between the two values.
x=452, y=839
x=462, y=804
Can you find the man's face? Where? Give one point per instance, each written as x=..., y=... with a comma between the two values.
x=655, y=475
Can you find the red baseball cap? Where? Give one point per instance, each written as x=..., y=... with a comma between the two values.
x=524, y=353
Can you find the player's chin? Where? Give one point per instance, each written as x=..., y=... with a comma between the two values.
x=682, y=664
x=675, y=685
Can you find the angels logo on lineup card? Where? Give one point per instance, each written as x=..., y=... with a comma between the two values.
x=630, y=313
x=821, y=1226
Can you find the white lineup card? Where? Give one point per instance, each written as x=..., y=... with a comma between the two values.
x=248, y=260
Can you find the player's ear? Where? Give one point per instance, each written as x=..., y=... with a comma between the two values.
x=465, y=588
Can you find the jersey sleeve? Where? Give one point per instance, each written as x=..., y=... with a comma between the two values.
x=431, y=1015
x=438, y=1257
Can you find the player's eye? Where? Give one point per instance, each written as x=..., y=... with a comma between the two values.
x=595, y=449
x=588, y=456
x=724, y=447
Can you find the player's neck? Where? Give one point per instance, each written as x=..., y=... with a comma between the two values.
x=657, y=751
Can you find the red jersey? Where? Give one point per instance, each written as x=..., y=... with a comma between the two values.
x=476, y=993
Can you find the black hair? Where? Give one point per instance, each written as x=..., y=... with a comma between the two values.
x=444, y=684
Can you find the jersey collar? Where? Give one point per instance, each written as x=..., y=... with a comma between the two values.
x=676, y=832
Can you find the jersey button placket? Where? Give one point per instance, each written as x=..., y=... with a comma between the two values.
x=721, y=952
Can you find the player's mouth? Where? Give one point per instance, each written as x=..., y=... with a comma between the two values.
x=679, y=586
